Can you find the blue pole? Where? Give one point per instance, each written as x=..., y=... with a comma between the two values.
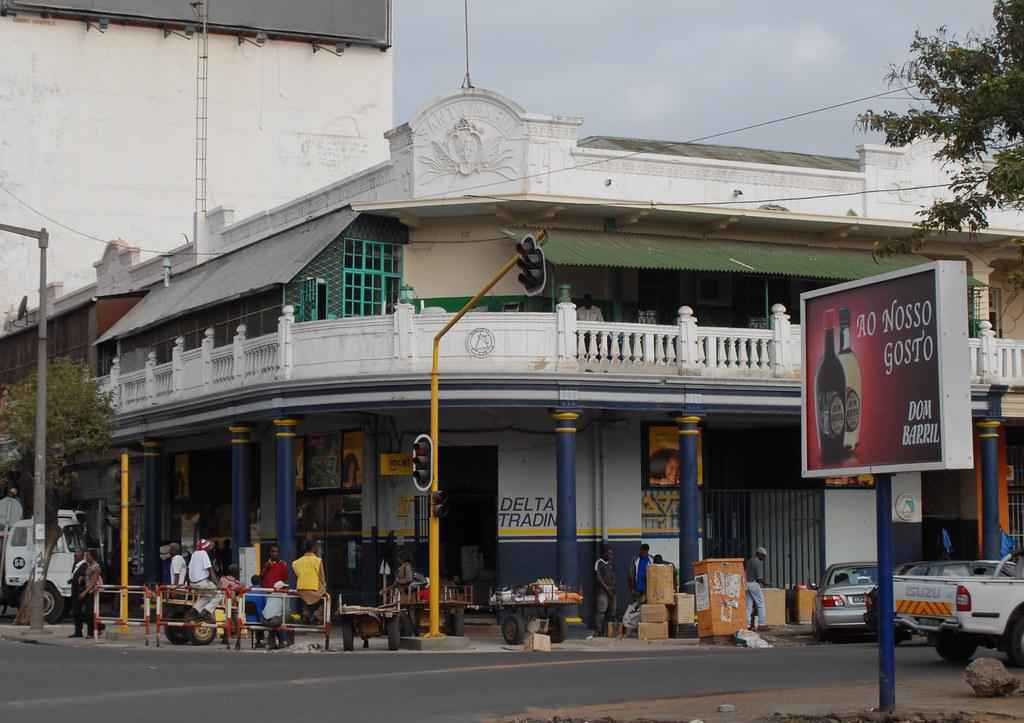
x=988, y=435
x=565, y=454
x=285, y=517
x=689, y=498
x=152, y=515
x=241, y=455
x=886, y=613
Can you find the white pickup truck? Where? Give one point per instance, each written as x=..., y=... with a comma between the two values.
x=959, y=614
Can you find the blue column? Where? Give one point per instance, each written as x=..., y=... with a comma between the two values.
x=992, y=538
x=285, y=431
x=886, y=614
x=565, y=454
x=152, y=510
x=689, y=497
x=241, y=475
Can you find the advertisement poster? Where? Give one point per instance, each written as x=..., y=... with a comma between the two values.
x=661, y=457
x=299, y=453
x=182, y=484
x=323, y=462
x=659, y=511
x=886, y=384
x=853, y=482
x=352, y=462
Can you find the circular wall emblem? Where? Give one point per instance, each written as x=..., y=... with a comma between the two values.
x=905, y=508
x=19, y=563
x=480, y=343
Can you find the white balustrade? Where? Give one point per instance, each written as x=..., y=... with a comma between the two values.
x=528, y=343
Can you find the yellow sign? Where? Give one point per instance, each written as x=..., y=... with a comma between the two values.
x=394, y=464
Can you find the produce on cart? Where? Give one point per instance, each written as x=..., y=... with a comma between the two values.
x=539, y=607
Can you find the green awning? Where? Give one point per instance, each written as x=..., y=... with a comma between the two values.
x=645, y=251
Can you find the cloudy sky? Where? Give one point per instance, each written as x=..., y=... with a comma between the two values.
x=674, y=69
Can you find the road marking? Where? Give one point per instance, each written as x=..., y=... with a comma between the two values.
x=218, y=689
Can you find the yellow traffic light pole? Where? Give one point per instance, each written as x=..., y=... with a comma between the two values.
x=125, y=497
x=435, y=430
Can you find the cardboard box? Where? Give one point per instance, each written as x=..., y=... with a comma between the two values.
x=775, y=606
x=538, y=643
x=682, y=612
x=614, y=630
x=653, y=631
x=653, y=613
x=805, y=606
x=661, y=586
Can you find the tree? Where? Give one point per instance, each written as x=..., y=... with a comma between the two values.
x=974, y=91
x=79, y=420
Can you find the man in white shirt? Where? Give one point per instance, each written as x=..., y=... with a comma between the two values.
x=588, y=312
x=179, y=568
x=273, y=616
x=202, y=577
x=10, y=509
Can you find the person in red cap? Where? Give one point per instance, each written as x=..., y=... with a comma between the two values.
x=202, y=577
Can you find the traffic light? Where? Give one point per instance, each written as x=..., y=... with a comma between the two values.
x=422, y=462
x=531, y=263
x=438, y=504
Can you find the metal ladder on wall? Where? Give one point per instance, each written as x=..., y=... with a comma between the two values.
x=202, y=11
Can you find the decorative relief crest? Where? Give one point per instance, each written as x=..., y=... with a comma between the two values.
x=465, y=151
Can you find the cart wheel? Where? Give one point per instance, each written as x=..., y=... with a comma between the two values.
x=176, y=635
x=558, y=628
x=394, y=633
x=512, y=628
x=203, y=633
x=457, y=623
x=406, y=626
x=348, y=635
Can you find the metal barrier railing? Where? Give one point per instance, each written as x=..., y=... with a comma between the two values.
x=129, y=612
x=181, y=599
x=288, y=612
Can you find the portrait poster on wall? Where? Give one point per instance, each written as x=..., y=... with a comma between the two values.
x=323, y=461
x=182, y=486
x=661, y=457
x=352, y=462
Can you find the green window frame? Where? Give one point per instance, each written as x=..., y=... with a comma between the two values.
x=312, y=300
x=371, y=277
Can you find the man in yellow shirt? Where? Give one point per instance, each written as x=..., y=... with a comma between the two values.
x=311, y=582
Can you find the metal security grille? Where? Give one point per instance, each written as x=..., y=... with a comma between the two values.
x=1015, y=496
x=787, y=523
x=312, y=300
x=371, y=278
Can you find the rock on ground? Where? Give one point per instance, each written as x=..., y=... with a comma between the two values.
x=990, y=679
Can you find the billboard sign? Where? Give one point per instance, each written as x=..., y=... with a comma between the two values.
x=363, y=21
x=886, y=374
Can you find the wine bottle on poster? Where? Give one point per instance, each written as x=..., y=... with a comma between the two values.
x=851, y=372
x=830, y=396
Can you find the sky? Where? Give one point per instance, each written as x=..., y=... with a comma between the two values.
x=675, y=69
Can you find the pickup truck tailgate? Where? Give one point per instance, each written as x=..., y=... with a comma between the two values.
x=925, y=599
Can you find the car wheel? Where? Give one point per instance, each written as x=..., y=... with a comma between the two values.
x=954, y=648
x=820, y=635
x=1015, y=645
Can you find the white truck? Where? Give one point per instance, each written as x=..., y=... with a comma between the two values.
x=961, y=614
x=17, y=557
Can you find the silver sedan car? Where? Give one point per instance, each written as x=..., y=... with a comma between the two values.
x=840, y=605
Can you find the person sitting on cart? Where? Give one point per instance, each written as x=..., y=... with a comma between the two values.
x=311, y=583
x=203, y=579
x=272, y=616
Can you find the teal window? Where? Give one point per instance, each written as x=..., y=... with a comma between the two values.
x=371, y=278
x=312, y=300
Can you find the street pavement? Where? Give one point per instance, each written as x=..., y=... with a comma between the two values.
x=111, y=683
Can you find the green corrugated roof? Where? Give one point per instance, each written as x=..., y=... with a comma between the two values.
x=641, y=251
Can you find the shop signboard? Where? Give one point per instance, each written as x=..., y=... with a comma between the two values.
x=886, y=374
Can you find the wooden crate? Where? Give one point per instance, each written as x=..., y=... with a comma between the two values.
x=775, y=606
x=682, y=612
x=653, y=631
x=661, y=587
x=653, y=613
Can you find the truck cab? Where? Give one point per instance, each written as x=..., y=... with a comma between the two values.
x=17, y=558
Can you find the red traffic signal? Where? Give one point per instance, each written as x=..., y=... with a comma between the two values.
x=422, y=462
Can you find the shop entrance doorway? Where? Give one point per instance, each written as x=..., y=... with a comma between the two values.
x=469, y=532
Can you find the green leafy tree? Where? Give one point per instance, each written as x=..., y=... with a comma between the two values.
x=79, y=420
x=974, y=112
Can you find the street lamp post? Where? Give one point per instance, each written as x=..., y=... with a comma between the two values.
x=39, y=482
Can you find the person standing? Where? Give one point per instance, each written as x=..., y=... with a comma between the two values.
x=604, y=585
x=202, y=577
x=311, y=582
x=587, y=311
x=93, y=582
x=78, y=575
x=10, y=509
x=275, y=570
x=638, y=574
x=179, y=568
x=755, y=583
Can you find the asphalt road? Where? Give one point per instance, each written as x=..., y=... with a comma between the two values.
x=51, y=683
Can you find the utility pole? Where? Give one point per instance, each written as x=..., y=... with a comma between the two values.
x=39, y=482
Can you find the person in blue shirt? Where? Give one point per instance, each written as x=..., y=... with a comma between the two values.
x=638, y=574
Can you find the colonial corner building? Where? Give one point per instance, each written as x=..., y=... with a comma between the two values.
x=273, y=384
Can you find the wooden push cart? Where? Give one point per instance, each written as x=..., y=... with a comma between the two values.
x=519, y=616
x=369, y=622
x=415, y=606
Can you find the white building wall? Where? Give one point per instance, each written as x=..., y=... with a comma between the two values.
x=98, y=133
x=849, y=526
